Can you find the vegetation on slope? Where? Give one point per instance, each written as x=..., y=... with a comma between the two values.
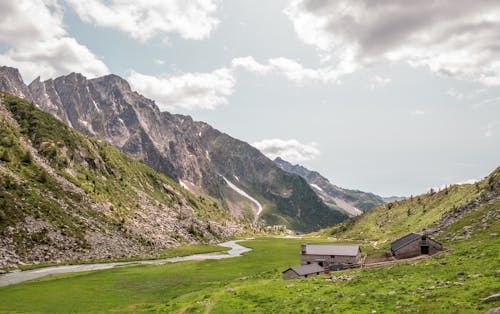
x=287, y=198
x=59, y=188
x=393, y=220
x=331, y=193
x=451, y=282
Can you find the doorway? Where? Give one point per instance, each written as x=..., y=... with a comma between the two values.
x=424, y=249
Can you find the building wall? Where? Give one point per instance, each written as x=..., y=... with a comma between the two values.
x=434, y=247
x=337, y=259
x=289, y=274
x=410, y=250
x=413, y=249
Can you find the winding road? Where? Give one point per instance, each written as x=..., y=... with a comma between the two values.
x=21, y=276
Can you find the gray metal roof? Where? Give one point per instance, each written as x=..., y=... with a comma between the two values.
x=407, y=239
x=308, y=269
x=332, y=249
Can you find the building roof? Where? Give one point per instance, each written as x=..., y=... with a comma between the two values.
x=331, y=249
x=407, y=239
x=307, y=269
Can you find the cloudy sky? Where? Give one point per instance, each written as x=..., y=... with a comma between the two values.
x=391, y=97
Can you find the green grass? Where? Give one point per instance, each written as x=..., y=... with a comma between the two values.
x=121, y=288
x=253, y=284
x=391, y=221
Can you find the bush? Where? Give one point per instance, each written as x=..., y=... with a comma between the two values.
x=43, y=178
x=5, y=156
x=26, y=158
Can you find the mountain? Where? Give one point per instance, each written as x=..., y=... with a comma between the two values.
x=67, y=197
x=199, y=157
x=352, y=202
x=432, y=212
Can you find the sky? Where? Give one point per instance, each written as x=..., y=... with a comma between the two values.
x=391, y=97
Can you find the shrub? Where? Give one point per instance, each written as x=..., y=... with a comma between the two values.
x=26, y=158
x=5, y=156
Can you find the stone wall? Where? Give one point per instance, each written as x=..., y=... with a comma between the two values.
x=414, y=248
x=336, y=259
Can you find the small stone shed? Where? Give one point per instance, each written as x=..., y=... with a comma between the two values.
x=415, y=244
x=303, y=271
x=329, y=256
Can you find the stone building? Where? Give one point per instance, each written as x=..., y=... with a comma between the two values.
x=331, y=256
x=303, y=271
x=415, y=244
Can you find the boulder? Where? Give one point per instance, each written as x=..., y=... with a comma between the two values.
x=493, y=297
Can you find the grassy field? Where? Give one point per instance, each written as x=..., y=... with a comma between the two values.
x=126, y=288
x=253, y=284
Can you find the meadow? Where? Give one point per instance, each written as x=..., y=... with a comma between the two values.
x=452, y=282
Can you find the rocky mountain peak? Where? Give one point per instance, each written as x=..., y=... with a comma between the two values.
x=202, y=159
x=11, y=81
x=112, y=81
x=73, y=77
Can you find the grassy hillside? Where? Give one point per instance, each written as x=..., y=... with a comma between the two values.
x=453, y=282
x=393, y=220
x=66, y=196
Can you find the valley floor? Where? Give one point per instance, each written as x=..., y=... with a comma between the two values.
x=22, y=276
x=453, y=282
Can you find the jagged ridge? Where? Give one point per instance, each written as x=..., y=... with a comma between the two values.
x=190, y=152
x=350, y=201
x=67, y=197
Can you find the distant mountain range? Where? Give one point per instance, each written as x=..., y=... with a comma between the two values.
x=351, y=202
x=197, y=156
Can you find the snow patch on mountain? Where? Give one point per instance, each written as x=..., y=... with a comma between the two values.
x=316, y=187
x=245, y=195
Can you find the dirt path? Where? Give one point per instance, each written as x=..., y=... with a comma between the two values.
x=21, y=276
x=369, y=264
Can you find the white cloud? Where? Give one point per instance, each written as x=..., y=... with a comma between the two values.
x=378, y=82
x=186, y=91
x=209, y=90
x=455, y=94
x=291, y=69
x=418, y=112
x=248, y=63
x=290, y=150
x=489, y=129
x=495, y=101
x=159, y=61
x=458, y=38
x=38, y=44
x=142, y=20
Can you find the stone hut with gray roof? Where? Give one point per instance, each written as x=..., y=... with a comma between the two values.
x=331, y=256
x=415, y=244
x=303, y=271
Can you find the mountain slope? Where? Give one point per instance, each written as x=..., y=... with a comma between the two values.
x=350, y=201
x=65, y=197
x=433, y=212
x=192, y=153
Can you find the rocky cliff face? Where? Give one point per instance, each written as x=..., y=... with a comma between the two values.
x=193, y=153
x=66, y=197
x=350, y=201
